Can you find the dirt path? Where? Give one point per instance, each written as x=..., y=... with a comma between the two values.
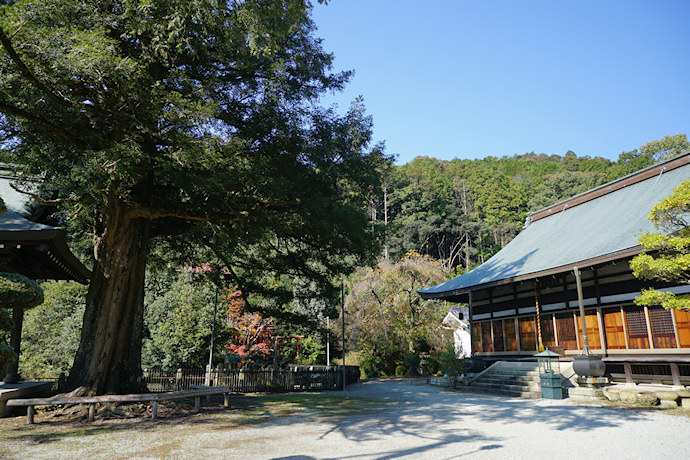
x=372, y=420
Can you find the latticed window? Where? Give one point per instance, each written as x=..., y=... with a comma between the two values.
x=663, y=332
x=661, y=321
x=636, y=322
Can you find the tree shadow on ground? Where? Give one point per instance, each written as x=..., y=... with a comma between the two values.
x=439, y=418
x=244, y=410
x=434, y=418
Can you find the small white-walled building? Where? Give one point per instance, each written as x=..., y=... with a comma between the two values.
x=457, y=320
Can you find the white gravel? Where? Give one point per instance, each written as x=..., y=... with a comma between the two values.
x=421, y=422
x=430, y=422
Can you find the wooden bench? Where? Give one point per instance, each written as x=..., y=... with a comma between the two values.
x=153, y=398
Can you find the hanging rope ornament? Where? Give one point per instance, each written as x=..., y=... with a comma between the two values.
x=536, y=302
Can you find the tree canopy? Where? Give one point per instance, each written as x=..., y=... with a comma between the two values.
x=668, y=256
x=186, y=123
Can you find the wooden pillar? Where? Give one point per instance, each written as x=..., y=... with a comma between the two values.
x=517, y=332
x=625, y=328
x=471, y=323
x=675, y=374
x=15, y=342
x=649, y=328
x=596, y=286
x=602, y=332
x=30, y=414
x=628, y=374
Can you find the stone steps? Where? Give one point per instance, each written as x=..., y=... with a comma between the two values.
x=510, y=377
x=515, y=393
x=518, y=380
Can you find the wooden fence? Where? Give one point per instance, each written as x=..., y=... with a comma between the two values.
x=246, y=381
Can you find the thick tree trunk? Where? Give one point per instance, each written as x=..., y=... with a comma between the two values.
x=109, y=355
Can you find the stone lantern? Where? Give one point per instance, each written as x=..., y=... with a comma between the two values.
x=550, y=374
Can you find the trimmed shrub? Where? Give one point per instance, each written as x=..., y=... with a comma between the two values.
x=18, y=291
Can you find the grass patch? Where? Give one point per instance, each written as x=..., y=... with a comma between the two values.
x=245, y=410
x=326, y=405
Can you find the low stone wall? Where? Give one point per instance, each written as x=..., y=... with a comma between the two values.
x=666, y=398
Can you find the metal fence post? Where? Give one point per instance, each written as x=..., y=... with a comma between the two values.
x=178, y=379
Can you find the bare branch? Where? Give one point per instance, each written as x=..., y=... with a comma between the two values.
x=42, y=201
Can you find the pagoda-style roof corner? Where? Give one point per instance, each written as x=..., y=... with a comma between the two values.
x=37, y=251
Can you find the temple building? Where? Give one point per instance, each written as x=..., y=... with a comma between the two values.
x=525, y=295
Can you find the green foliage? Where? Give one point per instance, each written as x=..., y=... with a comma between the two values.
x=178, y=324
x=630, y=162
x=451, y=365
x=648, y=154
x=563, y=185
x=18, y=291
x=310, y=352
x=50, y=333
x=373, y=366
x=412, y=360
x=668, y=300
x=668, y=252
x=178, y=318
x=668, y=147
x=433, y=365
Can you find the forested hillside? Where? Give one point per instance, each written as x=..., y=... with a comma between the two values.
x=463, y=211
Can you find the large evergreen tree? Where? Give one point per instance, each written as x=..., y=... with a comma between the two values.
x=192, y=122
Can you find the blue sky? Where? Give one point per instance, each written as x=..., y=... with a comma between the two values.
x=471, y=79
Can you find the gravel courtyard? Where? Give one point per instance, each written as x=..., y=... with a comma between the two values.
x=386, y=419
